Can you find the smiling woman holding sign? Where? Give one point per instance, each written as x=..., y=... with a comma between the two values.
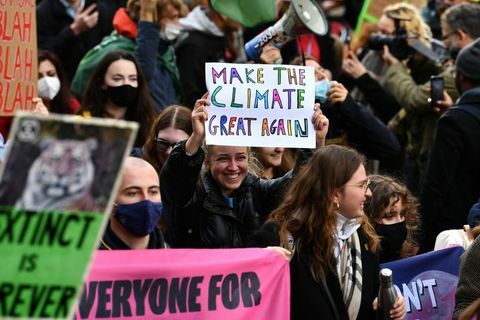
x=223, y=206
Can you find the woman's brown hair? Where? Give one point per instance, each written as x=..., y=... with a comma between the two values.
x=308, y=211
x=174, y=116
x=95, y=98
x=385, y=188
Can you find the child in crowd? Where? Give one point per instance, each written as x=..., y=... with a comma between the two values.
x=392, y=210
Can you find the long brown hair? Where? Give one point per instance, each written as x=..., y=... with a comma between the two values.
x=174, y=116
x=95, y=98
x=384, y=188
x=308, y=209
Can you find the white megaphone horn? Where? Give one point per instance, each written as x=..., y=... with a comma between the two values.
x=302, y=16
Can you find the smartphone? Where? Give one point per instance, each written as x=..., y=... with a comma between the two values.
x=436, y=93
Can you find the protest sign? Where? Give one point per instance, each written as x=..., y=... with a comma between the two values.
x=428, y=283
x=18, y=55
x=260, y=105
x=187, y=284
x=57, y=184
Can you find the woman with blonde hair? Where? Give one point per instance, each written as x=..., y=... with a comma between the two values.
x=334, y=268
x=222, y=205
x=408, y=18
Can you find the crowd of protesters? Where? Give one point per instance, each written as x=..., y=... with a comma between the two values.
x=392, y=170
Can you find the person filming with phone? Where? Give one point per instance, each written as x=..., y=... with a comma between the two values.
x=452, y=179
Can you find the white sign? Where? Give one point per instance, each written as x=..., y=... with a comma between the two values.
x=260, y=105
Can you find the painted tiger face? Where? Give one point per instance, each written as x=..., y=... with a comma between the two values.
x=61, y=176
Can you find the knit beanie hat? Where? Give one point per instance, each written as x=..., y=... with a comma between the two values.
x=468, y=61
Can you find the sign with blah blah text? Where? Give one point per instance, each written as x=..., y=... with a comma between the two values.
x=260, y=105
x=18, y=56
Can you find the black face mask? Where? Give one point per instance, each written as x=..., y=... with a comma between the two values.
x=393, y=236
x=122, y=96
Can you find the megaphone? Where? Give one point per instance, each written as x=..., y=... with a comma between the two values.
x=302, y=16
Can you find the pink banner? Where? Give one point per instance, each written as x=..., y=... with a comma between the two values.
x=187, y=284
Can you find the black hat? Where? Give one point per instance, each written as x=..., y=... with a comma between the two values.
x=468, y=61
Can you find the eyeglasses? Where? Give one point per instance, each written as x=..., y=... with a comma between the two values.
x=364, y=185
x=163, y=145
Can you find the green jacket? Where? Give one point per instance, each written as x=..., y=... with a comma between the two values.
x=416, y=120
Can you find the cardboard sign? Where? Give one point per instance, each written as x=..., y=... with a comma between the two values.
x=18, y=56
x=187, y=284
x=57, y=184
x=428, y=283
x=260, y=105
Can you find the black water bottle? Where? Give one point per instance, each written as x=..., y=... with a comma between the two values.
x=387, y=295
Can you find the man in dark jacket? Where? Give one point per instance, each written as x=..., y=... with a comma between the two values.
x=452, y=182
x=133, y=224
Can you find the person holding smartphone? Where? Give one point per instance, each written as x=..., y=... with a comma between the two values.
x=452, y=180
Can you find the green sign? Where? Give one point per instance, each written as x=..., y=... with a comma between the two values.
x=44, y=258
x=57, y=186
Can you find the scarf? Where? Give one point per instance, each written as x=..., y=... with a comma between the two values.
x=349, y=264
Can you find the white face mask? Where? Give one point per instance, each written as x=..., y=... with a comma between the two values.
x=171, y=32
x=48, y=87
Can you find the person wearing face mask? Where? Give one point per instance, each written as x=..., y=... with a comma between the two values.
x=392, y=210
x=53, y=85
x=351, y=123
x=334, y=265
x=118, y=90
x=147, y=29
x=137, y=209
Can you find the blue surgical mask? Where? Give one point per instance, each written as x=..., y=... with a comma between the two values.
x=321, y=90
x=139, y=218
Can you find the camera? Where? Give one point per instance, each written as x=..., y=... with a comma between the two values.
x=397, y=44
